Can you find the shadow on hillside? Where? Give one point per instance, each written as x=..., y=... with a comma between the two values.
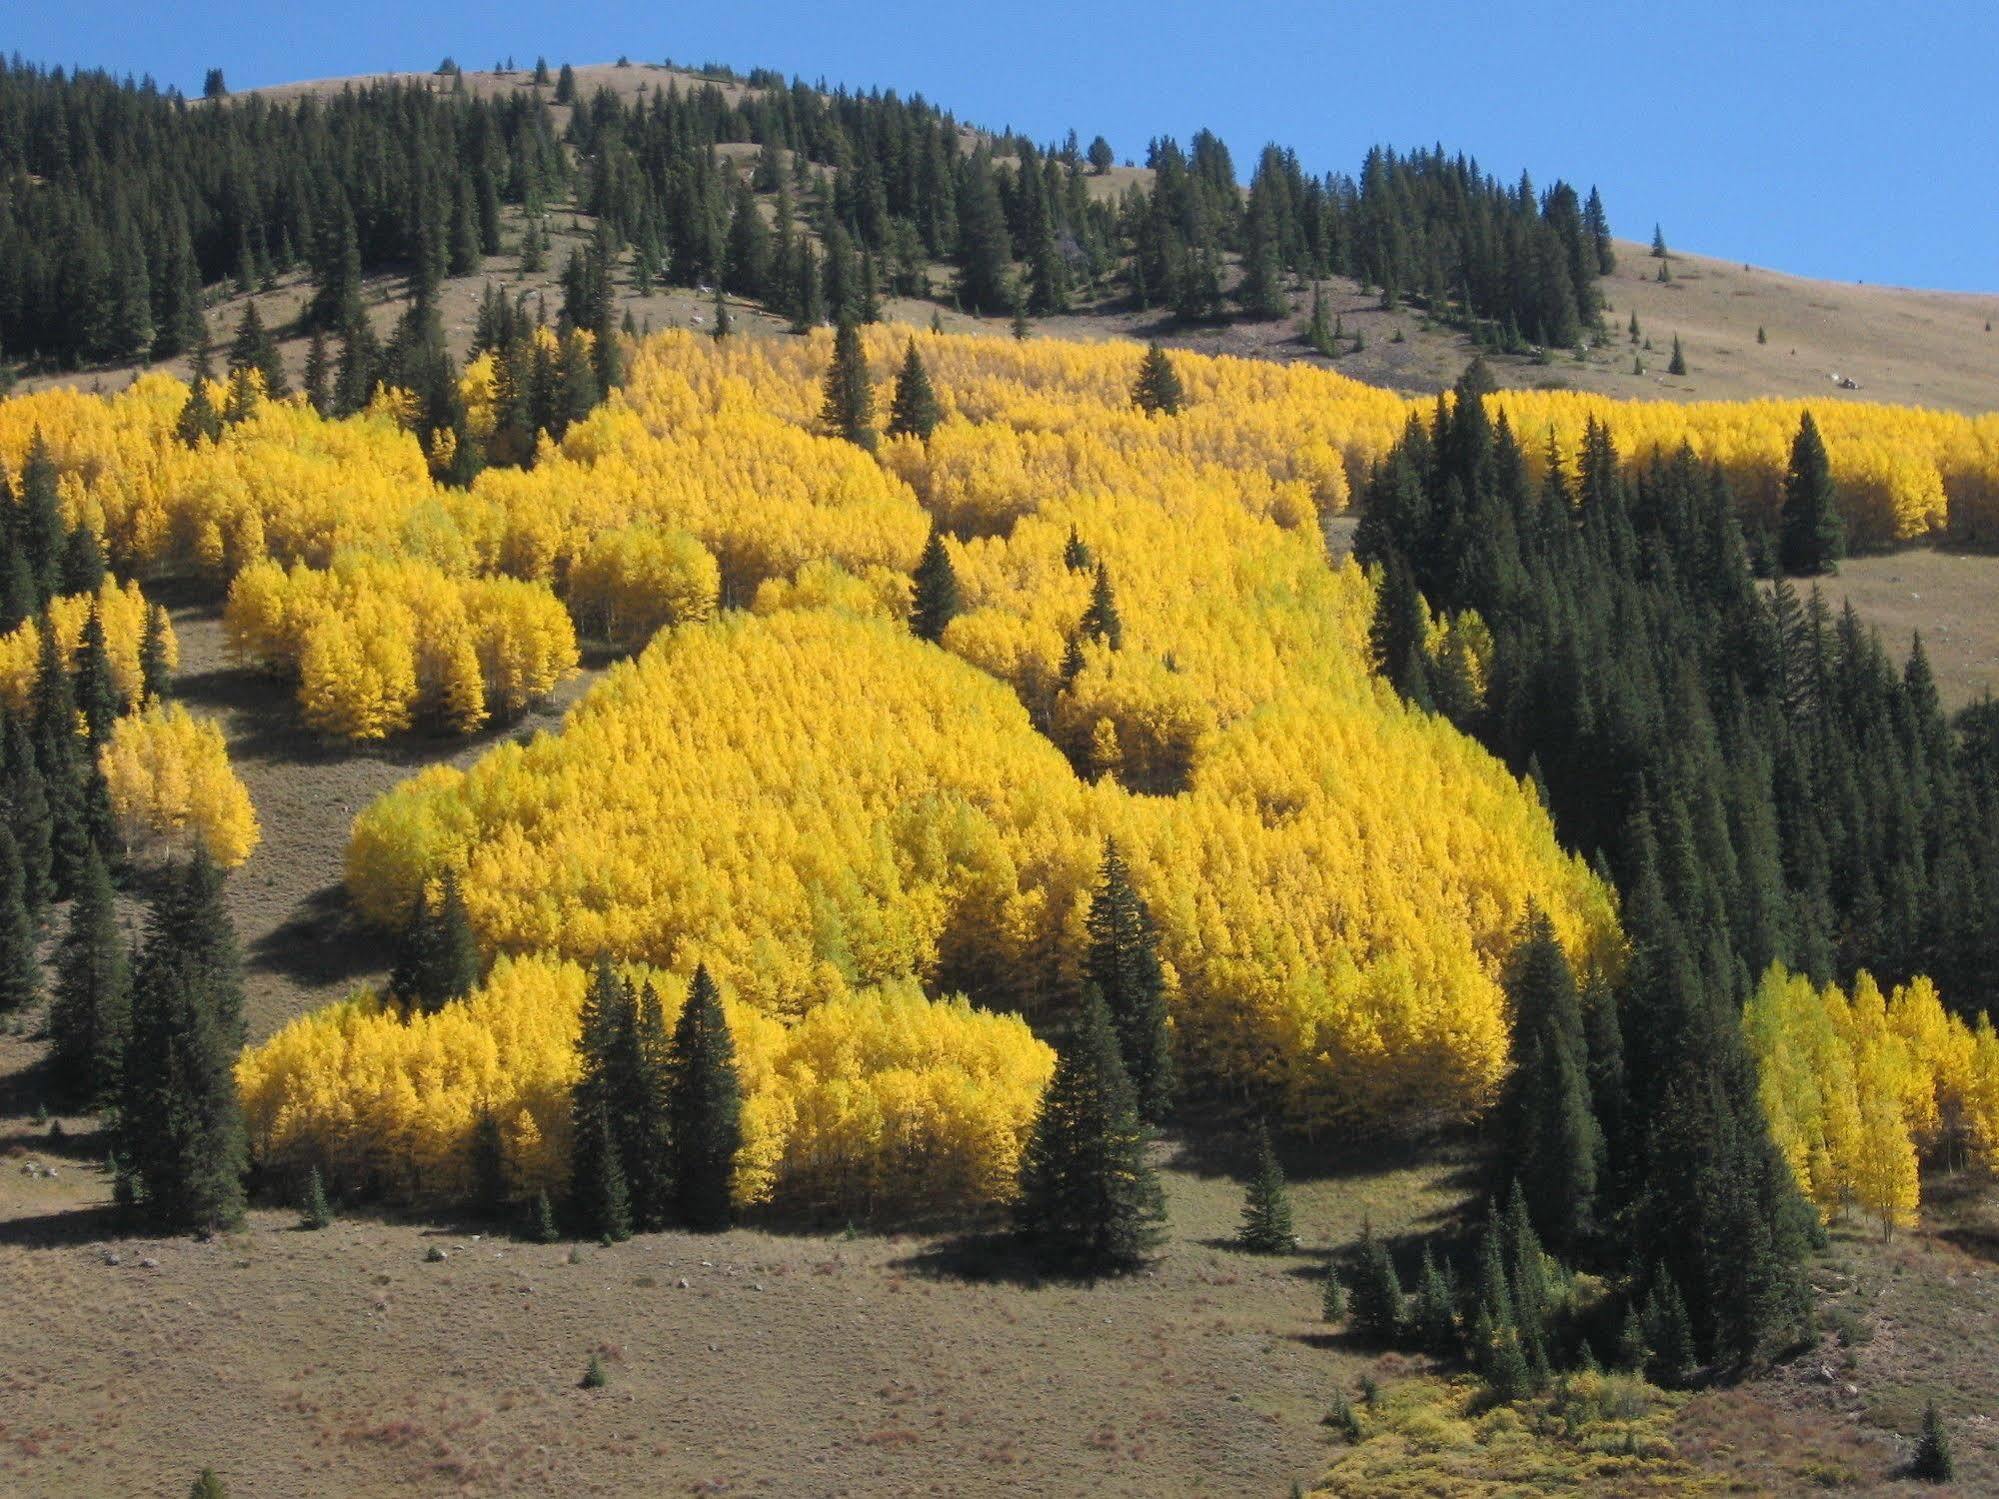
x=1212, y=1146
x=78, y=1147
x=66, y=1229
x=989, y=1258
x=25, y=1089
x=318, y=944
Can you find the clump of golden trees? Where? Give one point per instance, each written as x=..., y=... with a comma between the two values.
x=877, y=1100
x=172, y=787
x=1861, y=1088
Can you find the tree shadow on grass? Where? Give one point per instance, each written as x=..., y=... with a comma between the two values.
x=318, y=944
x=1213, y=1144
x=992, y=1257
x=67, y=1229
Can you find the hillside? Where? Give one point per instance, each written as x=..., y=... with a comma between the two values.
x=915, y=900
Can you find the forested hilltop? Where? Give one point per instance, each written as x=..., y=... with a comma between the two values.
x=123, y=202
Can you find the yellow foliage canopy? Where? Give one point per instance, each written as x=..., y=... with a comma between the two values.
x=124, y=612
x=1857, y=1089
x=878, y=1099
x=171, y=785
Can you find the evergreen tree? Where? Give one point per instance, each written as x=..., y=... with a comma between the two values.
x=1433, y=1314
x=181, y=1146
x=1554, y=1148
x=1076, y=554
x=1088, y=1196
x=82, y=567
x=541, y=1226
x=599, y=1198
x=94, y=693
x=315, y=1212
x=39, y=532
x=849, y=407
x=491, y=1191
x=1122, y=965
x=437, y=957
x=207, y=1485
x=1933, y=1462
x=1333, y=1296
x=254, y=349
x=935, y=601
x=1157, y=391
x=704, y=1108
x=318, y=373
x=155, y=675
x=1266, y=1210
x=1677, y=365
x=20, y=971
x=1658, y=242
x=985, y=247
x=90, y=1013
x=913, y=408
x=1668, y=1333
x=1101, y=621
x=1812, y=538
x=1375, y=1300
x=1318, y=336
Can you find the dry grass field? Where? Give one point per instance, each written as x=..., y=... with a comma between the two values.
x=767, y=1361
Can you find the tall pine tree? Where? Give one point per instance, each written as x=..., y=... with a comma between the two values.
x=1088, y=1197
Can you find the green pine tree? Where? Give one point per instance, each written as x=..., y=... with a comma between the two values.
x=704, y=1108
x=1377, y=1307
x=208, y=1485
x=254, y=349
x=1668, y=1333
x=1433, y=1314
x=1088, y=1196
x=935, y=600
x=90, y=1013
x=1076, y=554
x=1933, y=1461
x=1318, y=336
x=599, y=1197
x=1266, y=1209
x=1812, y=538
x=1677, y=365
x=1554, y=1149
x=315, y=1212
x=849, y=407
x=1157, y=390
x=95, y=694
x=37, y=522
x=82, y=567
x=913, y=408
x=1333, y=1296
x=1122, y=965
x=1101, y=621
x=155, y=675
x=542, y=1228
x=181, y=1143
x=437, y=959
x=20, y=972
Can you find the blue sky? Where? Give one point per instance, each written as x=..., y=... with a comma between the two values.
x=1844, y=140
